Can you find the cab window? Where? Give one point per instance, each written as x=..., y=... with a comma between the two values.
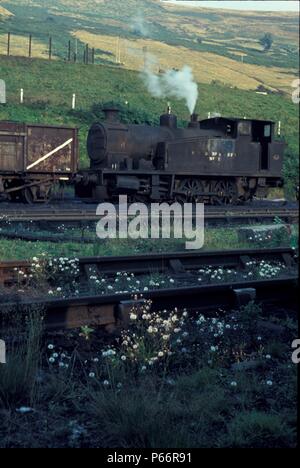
x=267, y=131
x=244, y=128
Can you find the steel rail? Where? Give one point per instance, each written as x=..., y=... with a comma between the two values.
x=87, y=215
x=173, y=262
x=112, y=311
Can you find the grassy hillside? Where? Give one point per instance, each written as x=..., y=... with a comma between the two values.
x=213, y=42
x=48, y=89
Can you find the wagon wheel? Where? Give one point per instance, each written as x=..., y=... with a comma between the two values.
x=32, y=195
x=28, y=196
x=189, y=190
x=225, y=193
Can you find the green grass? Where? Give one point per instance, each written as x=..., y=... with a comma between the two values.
x=215, y=239
x=193, y=397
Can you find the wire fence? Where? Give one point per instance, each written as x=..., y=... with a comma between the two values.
x=110, y=50
x=15, y=45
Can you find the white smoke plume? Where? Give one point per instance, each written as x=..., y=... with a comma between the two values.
x=172, y=83
x=139, y=25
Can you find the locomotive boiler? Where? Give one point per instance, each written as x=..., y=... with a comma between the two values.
x=217, y=161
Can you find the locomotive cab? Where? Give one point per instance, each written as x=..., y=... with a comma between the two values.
x=254, y=142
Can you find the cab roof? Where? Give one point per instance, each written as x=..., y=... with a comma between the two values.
x=235, y=119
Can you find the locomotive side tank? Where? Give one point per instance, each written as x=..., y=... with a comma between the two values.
x=219, y=160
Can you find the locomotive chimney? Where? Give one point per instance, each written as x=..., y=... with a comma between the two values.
x=194, y=121
x=112, y=114
x=168, y=120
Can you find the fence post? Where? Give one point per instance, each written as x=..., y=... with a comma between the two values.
x=76, y=51
x=93, y=56
x=21, y=96
x=50, y=48
x=8, y=44
x=73, y=101
x=30, y=46
x=2, y=92
x=69, y=51
x=87, y=54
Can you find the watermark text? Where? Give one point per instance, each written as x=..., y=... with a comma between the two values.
x=154, y=221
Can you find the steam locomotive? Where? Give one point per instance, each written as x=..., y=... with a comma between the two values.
x=217, y=161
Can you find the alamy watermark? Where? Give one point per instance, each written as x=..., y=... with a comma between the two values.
x=296, y=353
x=2, y=352
x=153, y=221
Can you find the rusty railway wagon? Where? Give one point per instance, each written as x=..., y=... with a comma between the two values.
x=35, y=157
x=217, y=161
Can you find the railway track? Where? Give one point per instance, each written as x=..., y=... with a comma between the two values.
x=45, y=225
x=88, y=214
x=112, y=309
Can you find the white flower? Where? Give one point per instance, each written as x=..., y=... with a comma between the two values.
x=268, y=356
x=123, y=358
x=160, y=354
x=259, y=338
x=52, y=360
x=92, y=375
x=50, y=346
x=269, y=382
x=24, y=409
x=233, y=383
x=213, y=349
x=105, y=383
x=133, y=316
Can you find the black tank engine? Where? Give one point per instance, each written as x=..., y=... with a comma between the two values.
x=218, y=160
